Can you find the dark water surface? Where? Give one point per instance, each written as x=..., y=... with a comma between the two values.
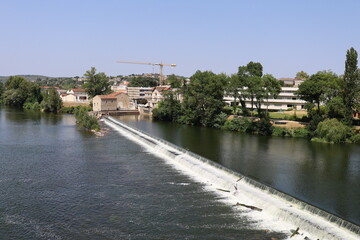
x=325, y=175
x=57, y=182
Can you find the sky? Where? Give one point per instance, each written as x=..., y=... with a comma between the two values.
x=66, y=38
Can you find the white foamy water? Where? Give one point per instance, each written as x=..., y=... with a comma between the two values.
x=279, y=212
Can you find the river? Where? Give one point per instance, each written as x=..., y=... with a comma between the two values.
x=325, y=175
x=59, y=182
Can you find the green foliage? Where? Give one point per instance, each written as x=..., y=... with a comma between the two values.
x=73, y=109
x=332, y=131
x=251, y=84
x=290, y=132
x=320, y=87
x=51, y=102
x=168, y=109
x=97, y=83
x=220, y=120
x=261, y=127
x=355, y=138
x=302, y=75
x=335, y=108
x=203, y=98
x=241, y=124
x=2, y=89
x=18, y=91
x=32, y=106
x=84, y=120
x=351, y=84
x=175, y=81
x=143, y=82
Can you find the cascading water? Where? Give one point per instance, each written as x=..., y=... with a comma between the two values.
x=319, y=223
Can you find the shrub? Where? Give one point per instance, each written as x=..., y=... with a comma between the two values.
x=83, y=119
x=282, y=132
x=168, y=109
x=333, y=131
x=237, y=124
x=32, y=106
x=220, y=120
x=301, y=132
x=261, y=127
x=355, y=138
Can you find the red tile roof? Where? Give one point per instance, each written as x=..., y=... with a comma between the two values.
x=114, y=94
x=105, y=97
x=78, y=90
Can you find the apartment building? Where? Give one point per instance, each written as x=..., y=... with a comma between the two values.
x=286, y=99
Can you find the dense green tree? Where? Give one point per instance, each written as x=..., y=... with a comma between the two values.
x=96, y=83
x=143, y=82
x=85, y=120
x=302, y=75
x=272, y=87
x=332, y=130
x=51, y=102
x=253, y=85
x=320, y=87
x=2, y=89
x=234, y=88
x=18, y=91
x=250, y=77
x=175, y=81
x=168, y=109
x=351, y=82
x=203, y=98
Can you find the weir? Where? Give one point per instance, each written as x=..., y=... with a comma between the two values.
x=315, y=221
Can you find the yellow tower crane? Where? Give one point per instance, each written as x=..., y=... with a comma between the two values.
x=162, y=78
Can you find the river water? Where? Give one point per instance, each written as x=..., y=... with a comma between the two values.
x=325, y=175
x=58, y=182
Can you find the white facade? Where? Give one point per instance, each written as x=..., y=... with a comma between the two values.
x=286, y=99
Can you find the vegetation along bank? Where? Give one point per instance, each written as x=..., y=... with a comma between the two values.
x=331, y=102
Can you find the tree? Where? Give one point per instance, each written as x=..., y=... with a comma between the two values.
x=203, y=98
x=51, y=102
x=272, y=87
x=143, y=82
x=255, y=86
x=302, y=75
x=174, y=81
x=233, y=89
x=168, y=109
x=351, y=83
x=318, y=88
x=19, y=91
x=2, y=89
x=251, y=75
x=96, y=83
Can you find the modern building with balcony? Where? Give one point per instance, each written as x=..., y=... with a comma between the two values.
x=286, y=99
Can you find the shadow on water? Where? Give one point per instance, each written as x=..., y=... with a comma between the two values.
x=19, y=115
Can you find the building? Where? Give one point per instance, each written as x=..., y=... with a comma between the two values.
x=157, y=95
x=291, y=82
x=104, y=103
x=138, y=93
x=286, y=100
x=75, y=95
x=123, y=100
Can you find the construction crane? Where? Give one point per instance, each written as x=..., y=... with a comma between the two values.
x=162, y=78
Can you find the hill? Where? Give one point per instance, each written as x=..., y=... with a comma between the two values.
x=31, y=78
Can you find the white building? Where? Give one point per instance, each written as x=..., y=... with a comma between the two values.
x=75, y=95
x=286, y=99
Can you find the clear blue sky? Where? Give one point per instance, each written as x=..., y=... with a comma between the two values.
x=67, y=37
